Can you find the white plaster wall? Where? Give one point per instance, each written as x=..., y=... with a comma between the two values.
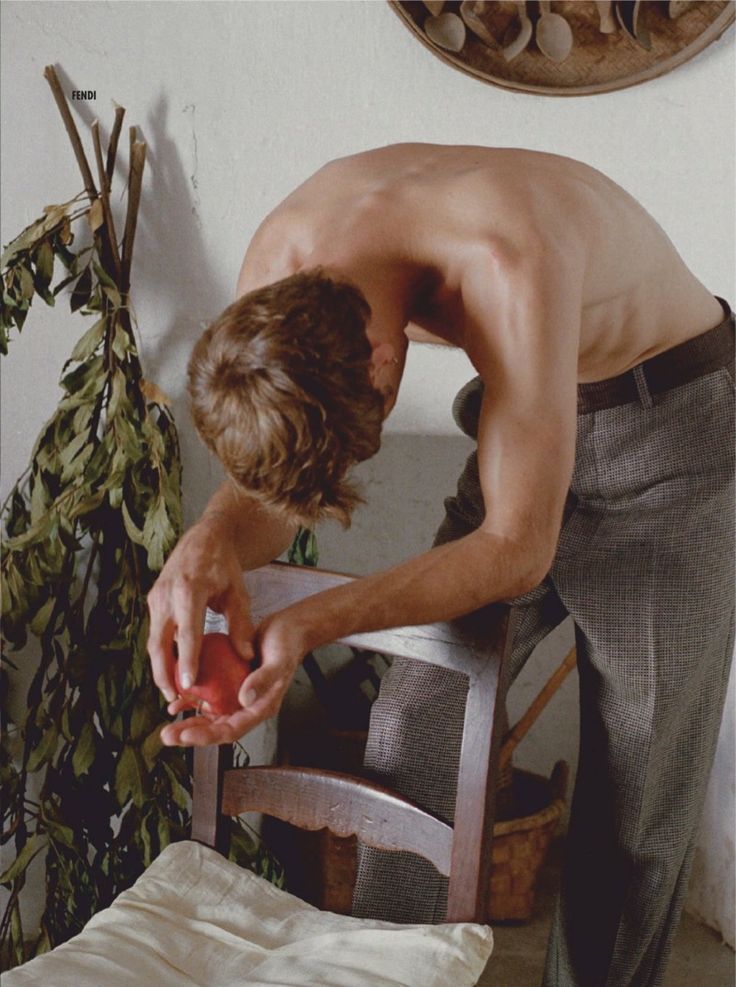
x=239, y=102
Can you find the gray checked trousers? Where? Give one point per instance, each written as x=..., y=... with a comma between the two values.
x=644, y=566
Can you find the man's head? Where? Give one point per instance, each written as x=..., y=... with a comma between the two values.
x=281, y=391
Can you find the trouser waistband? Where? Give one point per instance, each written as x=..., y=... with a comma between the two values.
x=683, y=363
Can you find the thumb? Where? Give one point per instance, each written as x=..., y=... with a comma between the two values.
x=259, y=685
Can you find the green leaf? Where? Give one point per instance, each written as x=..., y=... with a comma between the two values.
x=45, y=749
x=59, y=833
x=158, y=535
x=151, y=747
x=84, y=751
x=41, y=618
x=179, y=794
x=34, y=845
x=70, y=452
x=303, y=550
x=129, y=781
x=118, y=395
x=121, y=342
x=89, y=341
x=133, y=531
x=37, y=532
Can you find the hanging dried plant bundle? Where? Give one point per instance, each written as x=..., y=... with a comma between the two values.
x=87, y=528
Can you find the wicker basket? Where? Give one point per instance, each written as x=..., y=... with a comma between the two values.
x=521, y=843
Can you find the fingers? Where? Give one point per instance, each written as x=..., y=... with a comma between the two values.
x=161, y=652
x=198, y=731
x=263, y=687
x=266, y=695
x=188, y=606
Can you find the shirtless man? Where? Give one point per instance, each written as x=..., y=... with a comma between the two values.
x=602, y=488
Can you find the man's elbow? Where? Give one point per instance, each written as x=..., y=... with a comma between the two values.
x=526, y=575
x=527, y=562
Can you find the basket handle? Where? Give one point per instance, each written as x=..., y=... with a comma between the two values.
x=518, y=732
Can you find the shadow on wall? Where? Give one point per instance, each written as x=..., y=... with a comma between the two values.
x=182, y=288
x=173, y=268
x=404, y=485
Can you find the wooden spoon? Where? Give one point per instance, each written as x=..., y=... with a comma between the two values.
x=627, y=12
x=554, y=34
x=515, y=43
x=447, y=31
x=605, y=14
x=471, y=12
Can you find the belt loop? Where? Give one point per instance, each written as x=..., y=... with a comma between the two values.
x=640, y=379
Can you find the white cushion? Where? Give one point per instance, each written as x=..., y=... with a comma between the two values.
x=194, y=918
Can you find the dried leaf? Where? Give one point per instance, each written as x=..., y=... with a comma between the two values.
x=82, y=290
x=95, y=215
x=65, y=234
x=153, y=393
x=89, y=341
x=36, y=232
x=26, y=282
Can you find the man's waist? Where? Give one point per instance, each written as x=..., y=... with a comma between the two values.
x=683, y=363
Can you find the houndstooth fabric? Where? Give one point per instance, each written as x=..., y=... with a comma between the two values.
x=645, y=566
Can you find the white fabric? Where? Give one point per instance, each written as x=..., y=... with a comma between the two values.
x=194, y=918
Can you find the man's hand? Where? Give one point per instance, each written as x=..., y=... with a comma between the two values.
x=280, y=646
x=203, y=570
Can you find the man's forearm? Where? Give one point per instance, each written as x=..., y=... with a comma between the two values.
x=259, y=535
x=444, y=583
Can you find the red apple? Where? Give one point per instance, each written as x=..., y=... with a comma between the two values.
x=221, y=673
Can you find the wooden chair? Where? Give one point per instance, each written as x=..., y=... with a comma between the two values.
x=315, y=799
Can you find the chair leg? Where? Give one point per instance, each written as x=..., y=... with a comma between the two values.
x=209, y=826
x=469, y=888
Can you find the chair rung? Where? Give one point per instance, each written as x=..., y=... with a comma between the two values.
x=315, y=799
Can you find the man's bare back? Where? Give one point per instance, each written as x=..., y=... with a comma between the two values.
x=438, y=217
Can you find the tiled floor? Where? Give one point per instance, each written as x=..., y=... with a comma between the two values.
x=699, y=959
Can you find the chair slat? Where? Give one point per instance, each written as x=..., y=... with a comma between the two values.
x=312, y=798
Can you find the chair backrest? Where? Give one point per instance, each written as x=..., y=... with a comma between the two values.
x=347, y=805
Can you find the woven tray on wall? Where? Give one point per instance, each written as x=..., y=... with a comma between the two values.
x=598, y=62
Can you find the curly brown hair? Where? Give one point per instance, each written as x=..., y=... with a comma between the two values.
x=280, y=391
